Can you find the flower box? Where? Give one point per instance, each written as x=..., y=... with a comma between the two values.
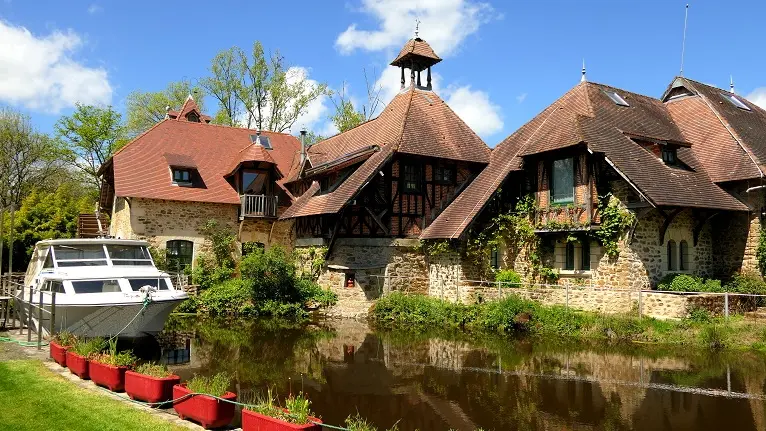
x=110, y=376
x=77, y=364
x=208, y=411
x=58, y=353
x=253, y=421
x=150, y=389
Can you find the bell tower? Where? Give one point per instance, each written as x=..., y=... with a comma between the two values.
x=417, y=55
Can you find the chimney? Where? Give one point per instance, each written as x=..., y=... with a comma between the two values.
x=303, y=146
x=257, y=137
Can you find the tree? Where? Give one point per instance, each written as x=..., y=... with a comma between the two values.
x=28, y=159
x=145, y=109
x=346, y=115
x=89, y=137
x=256, y=91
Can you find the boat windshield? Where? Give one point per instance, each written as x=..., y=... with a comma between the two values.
x=80, y=255
x=137, y=283
x=129, y=255
x=96, y=286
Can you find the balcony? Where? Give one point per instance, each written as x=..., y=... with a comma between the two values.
x=258, y=206
x=565, y=218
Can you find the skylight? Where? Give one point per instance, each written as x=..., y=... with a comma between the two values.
x=735, y=101
x=616, y=98
x=262, y=140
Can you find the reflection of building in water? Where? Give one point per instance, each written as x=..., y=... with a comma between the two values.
x=177, y=355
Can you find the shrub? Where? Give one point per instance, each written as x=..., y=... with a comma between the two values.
x=508, y=278
x=312, y=292
x=750, y=283
x=191, y=305
x=207, y=274
x=688, y=283
x=270, y=275
x=216, y=385
x=153, y=369
x=225, y=298
x=715, y=337
x=699, y=314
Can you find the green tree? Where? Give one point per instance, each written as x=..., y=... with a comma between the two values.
x=90, y=136
x=145, y=109
x=259, y=91
x=346, y=115
x=28, y=159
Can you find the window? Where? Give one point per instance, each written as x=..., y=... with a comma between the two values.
x=137, y=283
x=562, y=181
x=570, y=256
x=253, y=183
x=585, y=256
x=48, y=261
x=129, y=255
x=672, y=254
x=735, y=101
x=80, y=255
x=181, y=176
x=96, y=286
x=494, y=258
x=350, y=280
x=193, y=117
x=616, y=98
x=683, y=256
x=179, y=254
x=669, y=155
x=444, y=174
x=53, y=286
x=412, y=178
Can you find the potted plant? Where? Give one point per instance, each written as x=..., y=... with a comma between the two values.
x=266, y=415
x=77, y=356
x=108, y=369
x=59, y=345
x=150, y=382
x=208, y=409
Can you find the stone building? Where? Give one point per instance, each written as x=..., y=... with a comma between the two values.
x=167, y=183
x=365, y=195
x=686, y=168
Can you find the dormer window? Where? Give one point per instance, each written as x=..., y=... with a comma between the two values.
x=182, y=176
x=734, y=100
x=669, y=156
x=192, y=117
x=616, y=98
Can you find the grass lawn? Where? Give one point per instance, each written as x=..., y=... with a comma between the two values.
x=34, y=398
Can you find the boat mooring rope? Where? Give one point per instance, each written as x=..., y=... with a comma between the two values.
x=147, y=301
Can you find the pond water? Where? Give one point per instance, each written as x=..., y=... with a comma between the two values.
x=445, y=381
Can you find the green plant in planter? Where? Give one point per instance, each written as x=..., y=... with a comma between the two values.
x=90, y=347
x=358, y=423
x=125, y=358
x=298, y=408
x=216, y=385
x=65, y=339
x=153, y=369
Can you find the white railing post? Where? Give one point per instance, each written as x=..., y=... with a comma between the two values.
x=726, y=304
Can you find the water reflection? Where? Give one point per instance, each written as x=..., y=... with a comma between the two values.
x=440, y=382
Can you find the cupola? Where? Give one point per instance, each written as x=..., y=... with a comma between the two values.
x=416, y=55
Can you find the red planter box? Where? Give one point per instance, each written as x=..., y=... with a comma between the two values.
x=208, y=411
x=148, y=388
x=58, y=353
x=107, y=375
x=252, y=421
x=77, y=364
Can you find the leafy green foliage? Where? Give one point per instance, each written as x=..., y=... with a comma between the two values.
x=65, y=339
x=159, y=257
x=207, y=274
x=270, y=275
x=688, y=283
x=222, y=240
x=436, y=247
x=153, y=369
x=226, y=298
x=750, y=283
x=89, y=347
x=216, y=385
x=715, y=336
x=145, y=109
x=760, y=252
x=312, y=292
x=298, y=407
x=508, y=278
x=614, y=221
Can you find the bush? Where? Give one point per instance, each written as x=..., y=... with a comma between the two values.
x=508, y=278
x=313, y=293
x=750, y=283
x=715, y=337
x=153, y=369
x=216, y=385
x=688, y=283
x=226, y=298
x=207, y=274
x=191, y=305
x=270, y=275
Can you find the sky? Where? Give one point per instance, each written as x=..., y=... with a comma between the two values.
x=504, y=61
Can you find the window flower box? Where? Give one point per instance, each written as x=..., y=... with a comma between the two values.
x=208, y=411
x=77, y=364
x=58, y=353
x=150, y=389
x=110, y=376
x=253, y=421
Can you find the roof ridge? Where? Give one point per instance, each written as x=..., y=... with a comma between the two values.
x=458, y=117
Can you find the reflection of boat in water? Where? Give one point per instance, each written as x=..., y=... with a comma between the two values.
x=101, y=286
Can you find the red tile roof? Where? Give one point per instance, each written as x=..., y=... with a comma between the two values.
x=419, y=51
x=189, y=106
x=141, y=170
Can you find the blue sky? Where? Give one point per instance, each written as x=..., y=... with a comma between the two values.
x=503, y=61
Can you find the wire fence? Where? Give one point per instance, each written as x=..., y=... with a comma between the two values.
x=607, y=298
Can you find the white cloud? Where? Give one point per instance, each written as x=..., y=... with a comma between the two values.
x=758, y=96
x=94, y=9
x=444, y=24
x=316, y=112
x=521, y=97
x=40, y=73
x=475, y=108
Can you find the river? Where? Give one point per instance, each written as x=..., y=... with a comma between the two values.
x=455, y=381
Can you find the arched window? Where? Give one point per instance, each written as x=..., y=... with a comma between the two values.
x=683, y=256
x=180, y=254
x=569, y=260
x=672, y=256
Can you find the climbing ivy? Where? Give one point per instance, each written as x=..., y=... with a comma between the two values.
x=614, y=221
x=760, y=252
x=436, y=247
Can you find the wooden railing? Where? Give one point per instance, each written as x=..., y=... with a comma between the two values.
x=565, y=217
x=258, y=206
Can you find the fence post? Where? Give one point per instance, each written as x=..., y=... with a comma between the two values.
x=640, y=302
x=442, y=285
x=2, y=283
x=53, y=313
x=29, y=315
x=567, y=300
x=40, y=322
x=726, y=304
x=10, y=246
x=499, y=291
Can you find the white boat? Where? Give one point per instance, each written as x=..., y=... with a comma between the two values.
x=103, y=287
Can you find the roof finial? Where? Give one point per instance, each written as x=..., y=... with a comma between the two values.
x=683, y=43
x=417, y=27
x=731, y=84
x=582, y=78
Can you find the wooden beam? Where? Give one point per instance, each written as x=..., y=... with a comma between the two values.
x=378, y=221
x=668, y=219
x=334, y=234
x=701, y=224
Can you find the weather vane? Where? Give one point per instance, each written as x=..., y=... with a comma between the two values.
x=417, y=26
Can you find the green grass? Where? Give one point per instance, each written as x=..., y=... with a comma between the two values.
x=34, y=398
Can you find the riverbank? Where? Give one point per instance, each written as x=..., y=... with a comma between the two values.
x=34, y=398
x=517, y=316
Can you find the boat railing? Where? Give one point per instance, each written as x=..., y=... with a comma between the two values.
x=12, y=306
